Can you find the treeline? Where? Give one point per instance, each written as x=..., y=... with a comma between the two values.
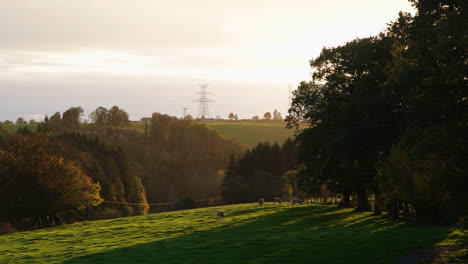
x=117, y=169
x=260, y=173
x=388, y=117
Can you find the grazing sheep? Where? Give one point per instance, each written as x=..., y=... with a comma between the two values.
x=220, y=214
x=296, y=200
x=277, y=200
x=261, y=201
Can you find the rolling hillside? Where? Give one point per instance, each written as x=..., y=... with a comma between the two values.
x=250, y=133
x=247, y=133
x=249, y=234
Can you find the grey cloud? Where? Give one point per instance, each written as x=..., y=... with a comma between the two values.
x=149, y=26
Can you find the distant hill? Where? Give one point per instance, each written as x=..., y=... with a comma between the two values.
x=250, y=234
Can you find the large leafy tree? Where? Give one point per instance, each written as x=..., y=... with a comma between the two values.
x=427, y=77
x=350, y=121
x=43, y=184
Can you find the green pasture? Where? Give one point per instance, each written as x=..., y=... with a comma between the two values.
x=16, y=127
x=247, y=133
x=249, y=234
x=251, y=133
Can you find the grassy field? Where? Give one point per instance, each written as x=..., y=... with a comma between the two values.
x=250, y=133
x=250, y=234
x=15, y=127
x=247, y=133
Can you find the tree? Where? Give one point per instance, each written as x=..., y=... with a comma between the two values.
x=267, y=116
x=257, y=173
x=427, y=82
x=349, y=115
x=20, y=121
x=231, y=116
x=100, y=116
x=277, y=116
x=255, y=118
x=71, y=117
x=7, y=122
x=118, y=117
x=44, y=184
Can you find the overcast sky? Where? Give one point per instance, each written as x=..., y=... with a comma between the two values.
x=149, y=55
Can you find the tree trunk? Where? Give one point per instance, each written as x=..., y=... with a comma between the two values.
x=345, y=202
x=393, y=209
x=405, y=208
x=378, y=205
x=363, y=202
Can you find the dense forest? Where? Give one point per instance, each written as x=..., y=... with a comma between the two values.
x=70, y=171
x=388, y=117
x=260, y=173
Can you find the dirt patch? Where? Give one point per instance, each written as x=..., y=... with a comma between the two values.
x=428, y=255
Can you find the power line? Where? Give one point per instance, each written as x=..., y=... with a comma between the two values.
x=203, y=100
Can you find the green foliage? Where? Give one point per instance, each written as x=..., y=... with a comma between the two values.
x=349, y=117
x=71, y=117
x=111, y=167
x=20, y=121
x=34, y=183
x=267, y=116
x=249, y=234
x=113, y=117
x=258, y=173
x=388, y=115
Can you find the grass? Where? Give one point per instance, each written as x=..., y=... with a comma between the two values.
x=250, y=234
x=247, y=133
x=250, y=133
x=16, y=127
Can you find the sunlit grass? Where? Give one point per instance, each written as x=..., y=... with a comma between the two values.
x=249, y=234
x=247, y=133
x=251, y=133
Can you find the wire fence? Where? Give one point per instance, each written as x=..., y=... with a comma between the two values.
x=160, y=204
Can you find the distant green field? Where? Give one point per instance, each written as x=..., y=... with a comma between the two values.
x=249, y=234
x=251, y=133
x=248, y=133
x=15, y=127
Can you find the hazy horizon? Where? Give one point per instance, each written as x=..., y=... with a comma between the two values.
x=151, y=56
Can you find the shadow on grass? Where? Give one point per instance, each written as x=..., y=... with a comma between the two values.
x=309, y=234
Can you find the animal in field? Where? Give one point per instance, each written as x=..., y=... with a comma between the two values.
x=277, y=200
x=261, y=201
x=220, y=214
x=296, y=200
